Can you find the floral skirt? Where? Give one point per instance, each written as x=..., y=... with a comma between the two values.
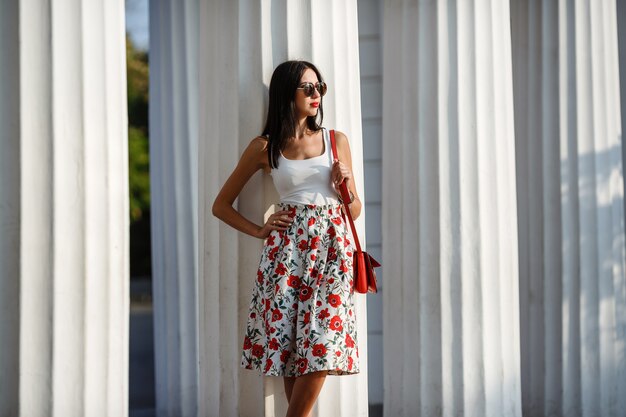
x=302, y=317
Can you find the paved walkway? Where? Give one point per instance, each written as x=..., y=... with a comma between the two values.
x=141, y=361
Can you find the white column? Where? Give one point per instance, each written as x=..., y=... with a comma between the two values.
x=174, y=179
x=232, y=101
x=451, y=315
x=242, y=42
x=64, y=209
x=370, y=46
x=621, y=37
x=570, y=204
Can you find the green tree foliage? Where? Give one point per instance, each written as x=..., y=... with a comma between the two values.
x=138, y=150
x=139, y=158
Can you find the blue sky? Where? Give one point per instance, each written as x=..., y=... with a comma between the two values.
x=137, y=23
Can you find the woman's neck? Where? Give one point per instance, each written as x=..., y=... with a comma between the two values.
x=302, y=128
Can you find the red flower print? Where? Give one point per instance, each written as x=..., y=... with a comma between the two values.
x=280, y=269
x=334, y=300
x=336, y=324
x=276, y=315
x=315, y=242
x=302, y=364
x=323, y=314
x=293, y=281
x=319, y=350
x=303, y=287
x=305, y=293
x=274, y=344
x=246, y=343
x=257, y=350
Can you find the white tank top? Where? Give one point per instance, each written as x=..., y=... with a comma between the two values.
x=306, y=181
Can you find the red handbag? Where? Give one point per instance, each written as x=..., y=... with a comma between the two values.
x=363, y=264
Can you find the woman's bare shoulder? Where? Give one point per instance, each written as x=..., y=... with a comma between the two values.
x=341, y=137
x=259, y=143
x=259, y=146
x=343, y=144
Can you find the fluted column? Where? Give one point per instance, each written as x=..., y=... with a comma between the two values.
x=201, y=301
x=451, y=315
x=174, y=181
x=570, y=204
x=63, y=209
x=242, y=42
x=621, y=41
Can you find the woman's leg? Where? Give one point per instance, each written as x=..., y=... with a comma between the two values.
x=289, y=381
x=304, y=393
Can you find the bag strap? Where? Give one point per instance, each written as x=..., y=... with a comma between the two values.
x=345, y=195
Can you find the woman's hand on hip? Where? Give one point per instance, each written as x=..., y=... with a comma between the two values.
x=280, y=220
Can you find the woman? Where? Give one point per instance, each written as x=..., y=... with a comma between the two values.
x=301, y=322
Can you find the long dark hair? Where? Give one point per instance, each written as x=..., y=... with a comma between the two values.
x=281, y=121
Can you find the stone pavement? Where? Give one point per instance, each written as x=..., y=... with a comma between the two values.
x=141, y=361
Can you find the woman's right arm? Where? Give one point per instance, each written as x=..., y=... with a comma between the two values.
x=252, y=159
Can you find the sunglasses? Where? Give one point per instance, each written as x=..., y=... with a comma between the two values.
x=309, y=88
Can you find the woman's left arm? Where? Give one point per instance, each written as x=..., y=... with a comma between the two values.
x=342, y=169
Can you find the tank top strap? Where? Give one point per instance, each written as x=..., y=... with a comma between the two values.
x=327, y=146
